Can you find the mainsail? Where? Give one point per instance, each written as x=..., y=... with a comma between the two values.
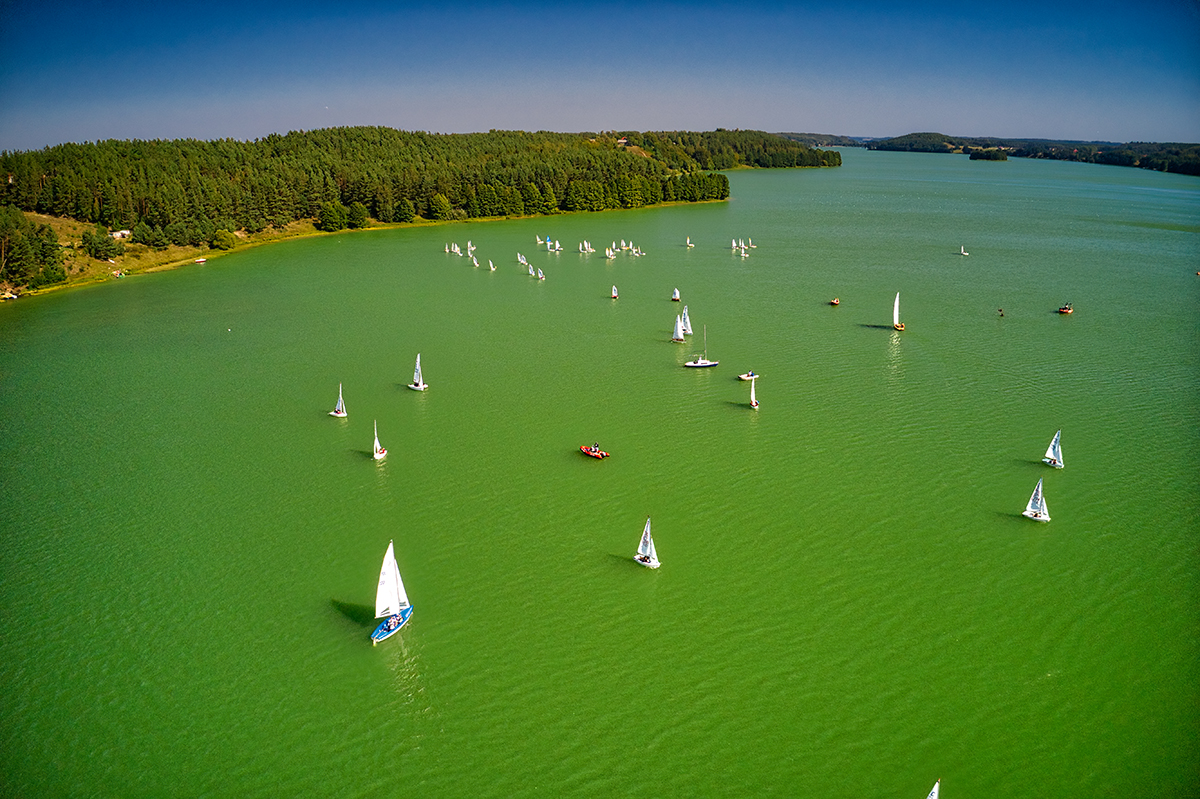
x=646, y=545
x=390, y=598
x=1054, y=452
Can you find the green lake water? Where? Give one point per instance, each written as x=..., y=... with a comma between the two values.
x=850, y=604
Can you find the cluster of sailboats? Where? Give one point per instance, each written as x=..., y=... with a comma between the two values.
x=391, y=601
x=1036, y=507
x=742, y=246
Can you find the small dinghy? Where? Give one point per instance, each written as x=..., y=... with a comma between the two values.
x=339, y=410
x=896, y=323
x=614, y=294
x=675, y=295
x=645, y=551
x=378, y=452
x=1036, y=507
x=748, y=376
x=418, y=384
x=753, y=399
x=594, y=451
x=1054, y=452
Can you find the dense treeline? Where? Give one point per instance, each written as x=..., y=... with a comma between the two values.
x=727, y=149
x=189, y=192
x=825, y=139
x=29, y=253
x=1167, y=157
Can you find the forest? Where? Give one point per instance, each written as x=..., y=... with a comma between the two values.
x=199, y=193
x=1161, y=157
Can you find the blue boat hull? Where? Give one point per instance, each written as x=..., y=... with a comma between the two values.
x=382, y=633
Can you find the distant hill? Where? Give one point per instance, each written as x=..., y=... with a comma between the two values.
x=826, y=139
x=1161, y=157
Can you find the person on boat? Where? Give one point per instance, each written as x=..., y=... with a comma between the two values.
x=1001, y=311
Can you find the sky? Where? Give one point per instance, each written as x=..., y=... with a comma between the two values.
x=83, y=70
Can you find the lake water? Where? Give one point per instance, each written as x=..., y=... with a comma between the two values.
x=850, y=604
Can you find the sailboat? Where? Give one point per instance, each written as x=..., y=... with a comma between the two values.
x=378, y=453
x=687, y=322
x=675, y=295
x=418, y=384
x=614, y=294
x=645, y=553
x=703, y=360
x=689, y=242
x=934, y=793
x=540, y=275
x=1053, y=452
x=896, y=323
x=678, y=334
x=391, y=602
x=753, y=400
x=1036, y=507
x=491, y=266
x=340, y=409
x=962, y=250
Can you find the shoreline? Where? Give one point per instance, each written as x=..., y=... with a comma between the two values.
x=304, y=229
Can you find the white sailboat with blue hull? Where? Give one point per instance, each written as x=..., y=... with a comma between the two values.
x=391, y=601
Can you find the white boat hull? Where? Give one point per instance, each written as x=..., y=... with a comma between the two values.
x=648, y=563
x=1037, y=517
x=420, y=387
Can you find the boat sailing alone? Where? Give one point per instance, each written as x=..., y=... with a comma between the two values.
x=378, y=453
x=391, y=602
x=614, y=294
x=675, y=295
x=645, y=551
x=1054, y=452
x=934, y=793
x=753, y=399
x=896, y=323
x=418, y=384
x=703, y=360
x=339, y=410
x=1036, y=507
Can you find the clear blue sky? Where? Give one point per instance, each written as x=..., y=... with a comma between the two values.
x=1116, y=71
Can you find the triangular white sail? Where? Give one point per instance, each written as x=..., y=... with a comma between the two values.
x=675, y=295
x=687, y=322
x=1054, y=452
x=390, y=597
x=340, y=409
x=753, y=400
x=646, y=553
x=418, y=383
x=379, y=452
x=614, y=294
x=896, y=311
x=678, y=334
x=1036, y=507
x=934, y=793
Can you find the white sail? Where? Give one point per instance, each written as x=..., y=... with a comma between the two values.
x=540, y=275
x=647, y=556
x=530, y=270
x=689, y=242
x=1036, y=508
x=418, y=383
x=678, y=334
x=896, y=311
x=379, y=452
x=614, y=294
x=934, y=793
x=340, y=409
x=491, y=265
x=675, y=295
x=753, y=400
x=1053, y=452
x=390, y=597
x=687, y=322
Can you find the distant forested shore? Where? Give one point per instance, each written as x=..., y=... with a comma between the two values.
x=212, y=194
x=1160, y=157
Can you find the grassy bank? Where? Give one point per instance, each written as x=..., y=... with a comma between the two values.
x=83, y=270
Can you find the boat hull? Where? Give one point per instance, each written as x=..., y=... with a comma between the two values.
x=1028, y=514
x=338, y=414
x=701, y=364
x=382, y=633
x=648, y=563
x=420, y=387
x=379, y=454
x=748, y=376
x=598, y=454
x=1049, y=462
